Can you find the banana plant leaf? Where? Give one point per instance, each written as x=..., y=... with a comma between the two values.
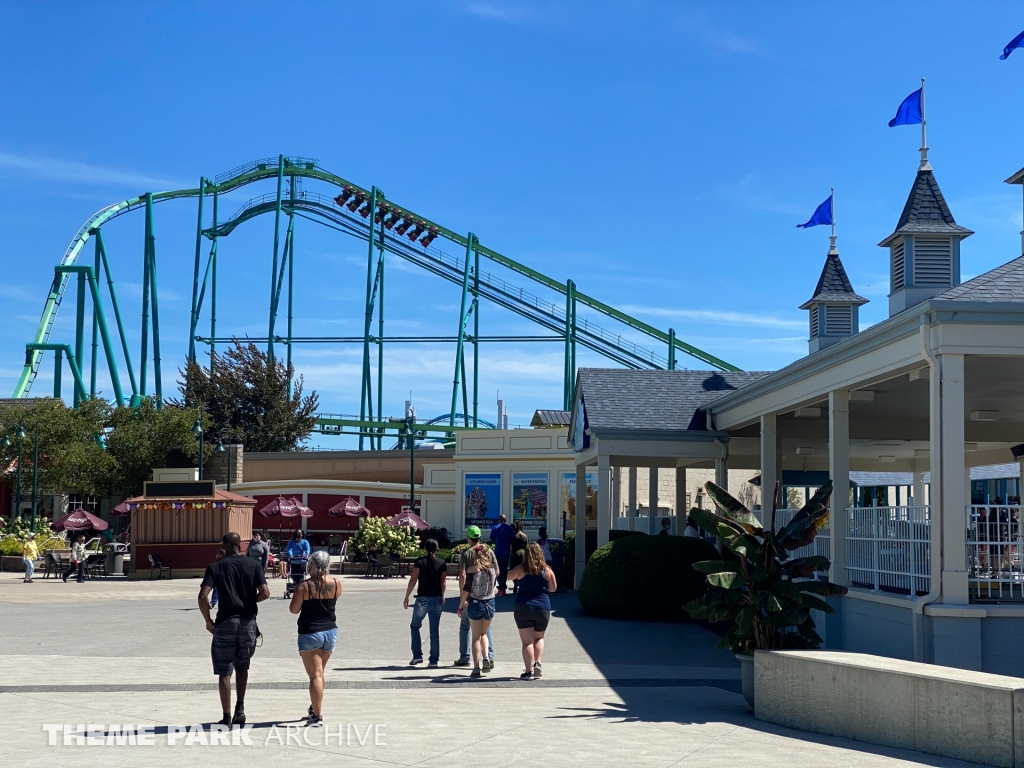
x=716, y=566
x=727, y=580
x=803, y=567
x=806, y=523
x=732, y=508
x=810, y=601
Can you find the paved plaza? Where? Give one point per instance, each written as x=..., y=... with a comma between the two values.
x=614, y=693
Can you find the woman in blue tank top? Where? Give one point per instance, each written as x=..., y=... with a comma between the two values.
x=532, y=609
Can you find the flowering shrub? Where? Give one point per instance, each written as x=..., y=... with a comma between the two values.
x=386, y=538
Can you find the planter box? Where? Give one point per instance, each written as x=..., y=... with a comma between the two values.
x=12, y=563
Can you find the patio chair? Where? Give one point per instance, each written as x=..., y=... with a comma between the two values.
x=53, y=565
x=385, y=567
x=95, y=565
x=156, y=563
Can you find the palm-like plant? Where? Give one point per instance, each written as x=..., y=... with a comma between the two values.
x=763, y=589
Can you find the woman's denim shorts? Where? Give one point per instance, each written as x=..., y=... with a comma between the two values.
x=319, y=641
x=480, y=609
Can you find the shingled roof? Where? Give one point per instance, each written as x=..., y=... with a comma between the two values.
x=1005, y=283
x=834, y=285
x=619, y=398
x=926, y=212
x=545, y=418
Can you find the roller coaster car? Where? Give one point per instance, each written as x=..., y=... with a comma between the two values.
x=343, y=198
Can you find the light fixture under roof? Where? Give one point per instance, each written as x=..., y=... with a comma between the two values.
x=862, y=396
x=984, y=415
x=804, y=450
x=887, y=459
x=922, y=453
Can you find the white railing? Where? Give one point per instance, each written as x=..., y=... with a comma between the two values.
x=888, y=549
x=994, y=551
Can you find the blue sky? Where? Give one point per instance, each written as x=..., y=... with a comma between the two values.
x=659, y=154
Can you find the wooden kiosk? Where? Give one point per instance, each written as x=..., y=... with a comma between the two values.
x=182, y=523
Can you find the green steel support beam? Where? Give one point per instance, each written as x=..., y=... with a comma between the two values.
x=56, y=378
x=291, y=293
x=671, y=349
x=273, y=268
x=368, y=318
x=462, y=325
x=144, y=362
x=195, y=273
x=117, y=317
x=380, y=334
x=213, y=286
x=58, y=349
x=154, y=301
x=95, y=338
x=567, y=371
x=80, y=324
x=465, y=395
x=476, y=338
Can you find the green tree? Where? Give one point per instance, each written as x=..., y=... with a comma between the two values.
x=141, y=438
x=71, y=453
x=246, y=394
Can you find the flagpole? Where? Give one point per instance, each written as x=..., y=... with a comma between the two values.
x=832, y=237
x=925, y=165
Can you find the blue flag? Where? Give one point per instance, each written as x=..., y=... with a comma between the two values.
x=1012, y=45
x=822, y=215
x=909, y=112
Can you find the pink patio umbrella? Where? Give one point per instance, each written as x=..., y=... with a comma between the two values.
x=348, y=508
x=79, y=520
x=408, y=518
x=121, y=510
x=280, y=506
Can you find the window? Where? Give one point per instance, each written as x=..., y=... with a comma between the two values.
x=898, y=278
x=933, y=261
x=838, y=320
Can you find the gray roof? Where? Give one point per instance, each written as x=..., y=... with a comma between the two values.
x=1005, y=283
x=834, y=285
x=988, y=472
x=618, y=398
x=926, y=212
x=542, y=418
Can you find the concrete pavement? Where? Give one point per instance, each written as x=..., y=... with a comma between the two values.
x=614, y=693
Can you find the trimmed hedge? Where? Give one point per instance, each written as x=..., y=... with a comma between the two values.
x=646, y=578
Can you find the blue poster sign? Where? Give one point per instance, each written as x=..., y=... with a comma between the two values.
x=483, y=498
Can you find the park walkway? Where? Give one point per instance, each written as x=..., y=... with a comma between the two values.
x=614, y=693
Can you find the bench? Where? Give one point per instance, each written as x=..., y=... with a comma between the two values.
x=945, y=711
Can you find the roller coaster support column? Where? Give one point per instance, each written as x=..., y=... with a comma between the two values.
x=213, y=286
x=117, y=317
x=85, y=273
x=476, y=337
x=273, y=268
x=291, y=282
x=569, y=381
x=380, y=337
x=671, y=349
x=95, y=349
x=80, y=324
x=462, y=326
x=368, y=320
x=58, y=350
x=144, y=362
x=195, y=273
x=154, y=300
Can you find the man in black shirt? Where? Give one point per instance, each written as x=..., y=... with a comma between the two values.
x=240, y=584
x=430, y=573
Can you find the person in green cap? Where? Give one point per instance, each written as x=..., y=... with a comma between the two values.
x=466, y=560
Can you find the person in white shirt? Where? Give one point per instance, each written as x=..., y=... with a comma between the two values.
x=77, y=559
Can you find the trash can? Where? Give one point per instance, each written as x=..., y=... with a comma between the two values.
x=113, y=565
x=558, y=561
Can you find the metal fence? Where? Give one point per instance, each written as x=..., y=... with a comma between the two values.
x=888, y=549
x=994, y=547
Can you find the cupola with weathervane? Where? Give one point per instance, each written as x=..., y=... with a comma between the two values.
x=833, y=308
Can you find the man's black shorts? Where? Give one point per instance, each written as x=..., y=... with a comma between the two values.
x=234, y=643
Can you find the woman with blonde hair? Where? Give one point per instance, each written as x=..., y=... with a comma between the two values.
x=477, y=599
x=532, y=609
x=315, y=601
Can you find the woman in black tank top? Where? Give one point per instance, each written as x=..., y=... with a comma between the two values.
x=315, y=602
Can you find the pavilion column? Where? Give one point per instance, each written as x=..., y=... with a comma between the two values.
x=839, y=472
x=948, y=461
x=722, y=466
x=604, y=498
x=681, y=508
x=770, y=455
x=631, y=512
x=616, y=495
x=652, y=500
x=581, y=522
x=918, y=499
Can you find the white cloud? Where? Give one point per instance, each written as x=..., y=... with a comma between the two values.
x=720, y=317
x=54, y=169
x=494, y=11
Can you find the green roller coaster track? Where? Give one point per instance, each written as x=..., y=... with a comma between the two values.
x=365, y=214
